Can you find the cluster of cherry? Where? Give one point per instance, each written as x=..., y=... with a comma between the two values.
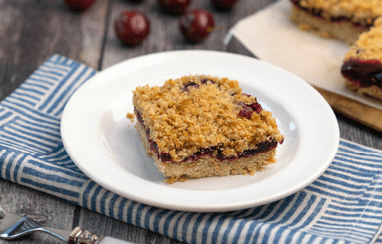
x=133, y=26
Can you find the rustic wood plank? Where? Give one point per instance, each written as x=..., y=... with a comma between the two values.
x=354, y=110
x=356, y=132
x=93, y=24
x=30, y=32
x=43, y=208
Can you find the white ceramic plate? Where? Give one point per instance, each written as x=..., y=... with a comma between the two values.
x=104, y=144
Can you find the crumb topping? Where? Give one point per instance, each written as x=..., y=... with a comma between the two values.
x=195, y=112
x=130, y=115
x=368, y=45
x=357, y=11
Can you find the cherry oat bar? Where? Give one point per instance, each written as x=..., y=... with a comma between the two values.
x=362, y=67
x=198, y=126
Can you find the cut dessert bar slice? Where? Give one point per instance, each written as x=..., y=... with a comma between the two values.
x=198, y=126
x=342, y=19
x=362, y=67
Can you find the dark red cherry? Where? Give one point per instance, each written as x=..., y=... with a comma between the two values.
x=176, y=7
x=79, y=5
x=132, y=27
x=196, y=25
x=224, y=4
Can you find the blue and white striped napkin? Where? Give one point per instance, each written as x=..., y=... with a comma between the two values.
x=343, y=206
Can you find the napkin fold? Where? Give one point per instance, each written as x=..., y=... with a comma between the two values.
x=344, y=205
x=272, y=37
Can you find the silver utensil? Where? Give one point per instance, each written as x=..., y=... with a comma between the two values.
x=13, y=226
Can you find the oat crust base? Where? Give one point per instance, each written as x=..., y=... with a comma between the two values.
x=206, y=166
x=368, y=92
x=325, y=28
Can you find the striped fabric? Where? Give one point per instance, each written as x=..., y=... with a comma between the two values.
x=343, y=206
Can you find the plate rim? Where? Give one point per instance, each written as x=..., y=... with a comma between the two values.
x=198, y=208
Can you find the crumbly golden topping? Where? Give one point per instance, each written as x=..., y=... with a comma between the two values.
x=130, y=115
x=356, y=10
x=184, y=120
x=368, y=45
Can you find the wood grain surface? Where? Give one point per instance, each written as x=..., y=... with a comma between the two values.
x=33, y=30
x=354, y=110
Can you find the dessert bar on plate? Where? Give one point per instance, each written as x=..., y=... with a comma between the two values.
x=198, y=126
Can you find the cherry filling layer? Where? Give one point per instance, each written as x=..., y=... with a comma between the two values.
x=318, y=13
x=363, y=73
x=262, y=147
x=249, y=109
x=193, y=84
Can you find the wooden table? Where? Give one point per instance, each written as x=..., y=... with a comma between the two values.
x=32, y=30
